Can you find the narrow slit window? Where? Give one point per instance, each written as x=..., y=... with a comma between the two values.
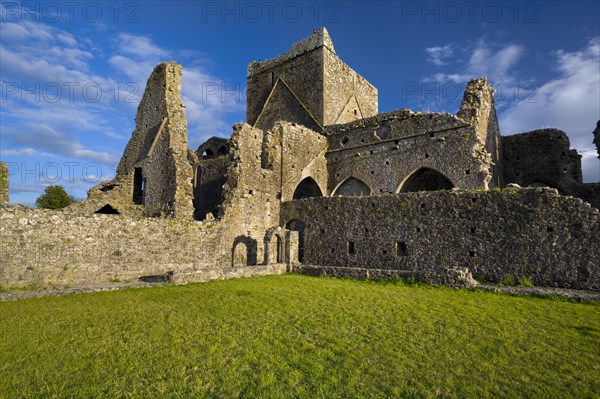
x=401, y=249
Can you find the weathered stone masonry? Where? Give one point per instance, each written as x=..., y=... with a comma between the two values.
x=3, y=184
x=42, y=247
x=318, y=181
x=534, y=233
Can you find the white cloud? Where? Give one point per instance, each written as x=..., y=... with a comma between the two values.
x=23, y=151
x=140, y=47
x=485, y=60
x=440, y=54
x=25, y=31
x=496, y=65
x=56, y=143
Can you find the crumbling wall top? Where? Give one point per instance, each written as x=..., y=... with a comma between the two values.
x=544, y=134
x=319, y=38
x=433, y=119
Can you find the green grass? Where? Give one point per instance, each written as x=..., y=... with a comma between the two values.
x=298, y=337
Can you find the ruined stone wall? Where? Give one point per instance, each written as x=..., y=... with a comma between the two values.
x=250, y=200
x=94, y=248
x=50, y=247
x=552, y=239
x=295, y=153
x=478, y=108
x=589, y=192
x=385, y=150
x=167, y=170
x=542, y=156
x=4, y=197
x=262, y=168
x=42, y=247
x=110, y=196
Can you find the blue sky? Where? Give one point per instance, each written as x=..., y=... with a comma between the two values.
x=72, y=72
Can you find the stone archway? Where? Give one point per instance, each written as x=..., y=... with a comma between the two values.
x=243, y=251
x=426, y=179
x=307, y=188
x=352, y=187
x=274, y=246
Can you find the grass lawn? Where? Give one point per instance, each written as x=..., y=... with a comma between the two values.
x=293, y=336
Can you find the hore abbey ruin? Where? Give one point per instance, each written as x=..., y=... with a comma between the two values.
x=318, y=181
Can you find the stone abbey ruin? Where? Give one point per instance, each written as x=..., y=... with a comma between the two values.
x=318, y=181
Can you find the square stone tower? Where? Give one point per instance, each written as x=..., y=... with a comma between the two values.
x=309, y=85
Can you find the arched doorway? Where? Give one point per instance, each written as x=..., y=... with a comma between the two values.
x=426, y=179
x=307, y=188
x=243, y=252
x=274, y=244
x=276, y=249
x=352, y=187
x=240, y=255
x=299, y=226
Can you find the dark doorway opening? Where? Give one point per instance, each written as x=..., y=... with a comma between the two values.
x=138, y=186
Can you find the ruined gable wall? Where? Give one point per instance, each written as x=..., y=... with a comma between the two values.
x=552, y=239
x=150, y=114
x=345, y=90
x=263, y=168
x=166, y=169
x=159, y=147
x=250, y=198
x=383, y=151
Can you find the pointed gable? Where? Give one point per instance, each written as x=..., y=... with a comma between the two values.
x=283, y=104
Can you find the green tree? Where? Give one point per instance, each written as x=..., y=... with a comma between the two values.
x=54, y=197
